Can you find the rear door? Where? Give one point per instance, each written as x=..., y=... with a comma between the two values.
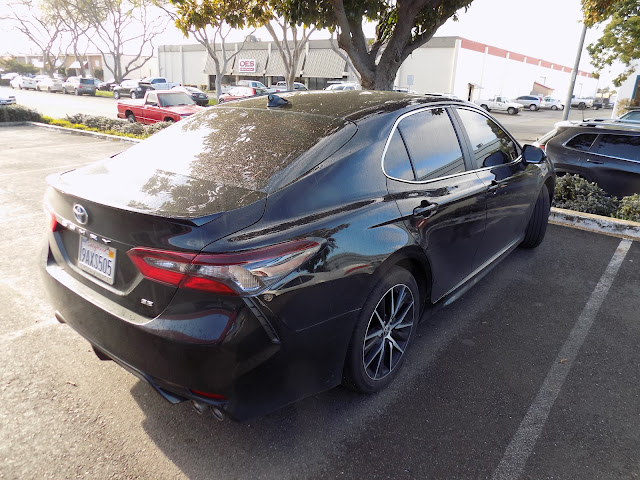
x=150, y=109
x=442, y=203
x=511, y=184
x=614, y=163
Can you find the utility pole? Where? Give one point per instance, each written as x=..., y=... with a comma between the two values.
x=574, y=73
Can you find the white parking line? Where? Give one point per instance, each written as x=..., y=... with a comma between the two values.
x=522, y=443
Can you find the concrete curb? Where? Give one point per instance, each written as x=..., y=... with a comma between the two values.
x=101, y=136
x=595, y=223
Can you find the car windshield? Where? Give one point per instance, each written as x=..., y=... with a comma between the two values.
x=86, y=81
x=174, y=99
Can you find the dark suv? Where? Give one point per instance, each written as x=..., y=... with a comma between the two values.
x=604, y=152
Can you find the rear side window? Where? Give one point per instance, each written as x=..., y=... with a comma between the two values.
x=619, y=146
x=490, y=144
x=582, y=142
x=432, y=144
x=396, y=159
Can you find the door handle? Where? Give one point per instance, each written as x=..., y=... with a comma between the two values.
x=596, y=162
x=495, y=185
x=425, y=209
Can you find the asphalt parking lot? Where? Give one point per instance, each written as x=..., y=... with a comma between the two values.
x=534, y=373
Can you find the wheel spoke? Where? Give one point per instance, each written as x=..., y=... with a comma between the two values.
x=399, y=323
x=373, y=335
x=400, y=301
x=375, y=375
x=393, y=343
x=375, y=355
x=382, y=324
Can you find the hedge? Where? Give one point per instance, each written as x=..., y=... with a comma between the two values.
x=92, y=123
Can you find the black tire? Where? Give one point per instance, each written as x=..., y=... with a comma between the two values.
x=537, y=226
x=485, y=107
x=582, y=105
x=370, y=364
x=554, y=107
x=77, y=92
x=19, y=86
x=532, y=107
x=37, y=88
x=131, y=117
x=64, y=90
x=511, y=111
x=133, y=95
x=116, y=95
x=169, y=120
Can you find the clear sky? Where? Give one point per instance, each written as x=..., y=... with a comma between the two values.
x=547, y=29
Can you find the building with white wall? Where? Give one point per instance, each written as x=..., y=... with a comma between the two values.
x=629, y=90
x=454, y=65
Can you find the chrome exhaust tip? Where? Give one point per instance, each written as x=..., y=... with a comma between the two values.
x=217, y=413
x=199, y=407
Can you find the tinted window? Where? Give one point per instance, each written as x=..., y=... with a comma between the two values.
x=582, y=142
x=631, y=116
x=396, y=159
x=619, y=146
x=490, y=144
x=86, y=81
x=432, y=144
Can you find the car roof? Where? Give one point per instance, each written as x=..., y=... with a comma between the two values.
x=603, y=124
x=350, y=105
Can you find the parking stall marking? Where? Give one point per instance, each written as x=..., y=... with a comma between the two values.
x=521, y=446
x=60, y=168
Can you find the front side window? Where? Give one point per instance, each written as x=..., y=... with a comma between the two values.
x=432, y=144
x=490, y=144
x=582, y=142
x=619, y=146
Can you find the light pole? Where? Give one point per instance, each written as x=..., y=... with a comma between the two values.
x=574, y=73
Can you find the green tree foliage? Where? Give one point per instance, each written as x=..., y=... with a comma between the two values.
x=620, y=40
x=12, y=65
x=401, y=26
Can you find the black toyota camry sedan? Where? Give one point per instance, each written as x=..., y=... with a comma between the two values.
x=268, y=249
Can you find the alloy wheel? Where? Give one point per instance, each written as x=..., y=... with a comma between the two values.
x=388, y=332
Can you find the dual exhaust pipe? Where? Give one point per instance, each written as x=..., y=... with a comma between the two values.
x=201, y=408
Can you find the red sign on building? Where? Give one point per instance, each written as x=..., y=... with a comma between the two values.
x=247, y=65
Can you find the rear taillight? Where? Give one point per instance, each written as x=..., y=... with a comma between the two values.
x=236, y=273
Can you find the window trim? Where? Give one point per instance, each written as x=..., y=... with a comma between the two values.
x=446, y=107
x=588, y=150
x=468, y=140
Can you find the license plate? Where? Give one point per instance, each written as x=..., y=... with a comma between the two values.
x=97, y=259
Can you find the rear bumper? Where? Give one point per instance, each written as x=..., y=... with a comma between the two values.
x=224, y=350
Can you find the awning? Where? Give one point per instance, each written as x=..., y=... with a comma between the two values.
x=260, y=58
x=324, y=63
x=275, y=67
x=210, y=66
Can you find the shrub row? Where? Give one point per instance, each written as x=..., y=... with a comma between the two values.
x=576, y=193
x=112, y=126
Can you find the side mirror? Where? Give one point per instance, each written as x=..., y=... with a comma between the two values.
x=532, y=154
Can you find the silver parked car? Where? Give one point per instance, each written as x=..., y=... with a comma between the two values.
x=79, y=86
x=552, y=103
x=49, y=84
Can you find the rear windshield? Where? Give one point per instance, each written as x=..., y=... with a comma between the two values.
x=86, y=81
x=182, y=169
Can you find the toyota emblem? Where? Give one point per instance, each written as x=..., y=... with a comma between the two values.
x=81, y=214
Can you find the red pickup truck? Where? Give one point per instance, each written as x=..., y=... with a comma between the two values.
x=158, y=106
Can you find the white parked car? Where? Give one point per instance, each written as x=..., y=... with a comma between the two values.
x=344, y=86
x=552, y=103
x=9, y=76
x=23, y=82
x=282, y=86
x=7, y=99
